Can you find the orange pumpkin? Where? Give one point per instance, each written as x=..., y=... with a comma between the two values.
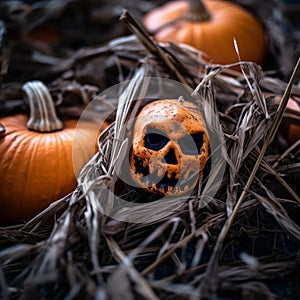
x=45, y=34
x=36, y=165
x=210, y=26
x=293, y=133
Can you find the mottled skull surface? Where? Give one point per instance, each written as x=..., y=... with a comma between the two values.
x=170, y=147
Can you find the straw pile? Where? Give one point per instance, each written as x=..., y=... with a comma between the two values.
x=243, y=244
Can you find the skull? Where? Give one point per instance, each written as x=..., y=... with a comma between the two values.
x=170, y=147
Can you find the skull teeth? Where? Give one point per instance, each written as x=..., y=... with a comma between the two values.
x=160, y=172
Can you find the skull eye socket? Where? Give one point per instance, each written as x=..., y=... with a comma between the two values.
x=191, y=144
x=155, y=139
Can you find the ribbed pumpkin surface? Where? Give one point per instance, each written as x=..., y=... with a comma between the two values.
x=37, y=168
x=214, y=36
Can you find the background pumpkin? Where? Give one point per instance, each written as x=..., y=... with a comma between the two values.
x=37, y=167
x=211, y=27
x=293, y=130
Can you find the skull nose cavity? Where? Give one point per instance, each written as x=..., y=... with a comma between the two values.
x=170, y=157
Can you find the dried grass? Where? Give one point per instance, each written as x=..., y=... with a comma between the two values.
x=243, y=244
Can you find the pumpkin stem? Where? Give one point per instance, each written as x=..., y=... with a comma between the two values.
x=43, y=116
x=197, y=11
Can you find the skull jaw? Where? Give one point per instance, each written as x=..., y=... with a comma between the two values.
x=166, y=187
x=166, y=180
